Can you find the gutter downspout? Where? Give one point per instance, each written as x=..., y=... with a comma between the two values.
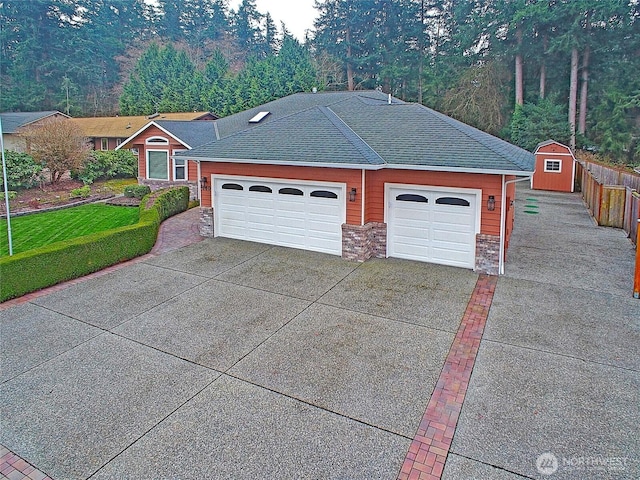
x=503, y=220
x=362, y=189
x=198, y=182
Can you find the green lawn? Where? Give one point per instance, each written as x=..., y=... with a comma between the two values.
x=40, y=229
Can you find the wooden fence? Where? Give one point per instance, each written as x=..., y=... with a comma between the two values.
x=612, y=204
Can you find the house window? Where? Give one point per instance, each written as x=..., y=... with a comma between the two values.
x=179, y=167
x=104, y=144
x=157, y=141
x=118, y=141
x=157, y=165
x=552, y=166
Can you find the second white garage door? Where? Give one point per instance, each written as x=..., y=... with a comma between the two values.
x=279, y=212
x=432, y=225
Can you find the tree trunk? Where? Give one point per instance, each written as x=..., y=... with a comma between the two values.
x=573, y=96
x=519, y=79
x=350, y=79
x=543, y=79
x=543, y=68
x=582, y=120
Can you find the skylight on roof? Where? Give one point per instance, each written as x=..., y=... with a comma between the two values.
x=259, y=117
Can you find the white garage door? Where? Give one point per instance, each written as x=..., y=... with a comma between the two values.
x=432, y=225
x=277, y=212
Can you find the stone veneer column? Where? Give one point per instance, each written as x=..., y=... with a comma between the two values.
x=487, y=254
x=206, y=222
x=361, y=242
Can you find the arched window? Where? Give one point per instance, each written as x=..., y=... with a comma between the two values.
x=157, y=141
x=260, y=188
x=410, y=197
x=232, y=186
x=461, y=202
x=323, y=194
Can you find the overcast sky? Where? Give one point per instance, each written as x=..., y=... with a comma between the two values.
x=298, y=15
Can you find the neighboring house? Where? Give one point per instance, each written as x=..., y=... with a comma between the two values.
x=156, y=143
x=107, y=133
x=14, y=122
x=362, y=175
x=555, y=167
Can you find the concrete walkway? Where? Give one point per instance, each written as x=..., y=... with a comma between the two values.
x=245, y=360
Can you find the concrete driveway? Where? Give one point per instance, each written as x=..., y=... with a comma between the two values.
x=557, y=376
x=228, y=359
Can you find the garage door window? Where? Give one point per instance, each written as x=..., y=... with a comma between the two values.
x=461, y=202
x=290, y=191
x=260, y=188
x=408, y=197
x=232, y=186
x=323, y=194
x=157, y=165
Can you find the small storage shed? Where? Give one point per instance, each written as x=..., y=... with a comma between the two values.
x=555, y=167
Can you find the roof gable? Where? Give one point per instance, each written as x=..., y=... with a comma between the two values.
x=188, y=133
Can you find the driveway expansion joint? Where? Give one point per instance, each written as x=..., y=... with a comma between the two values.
x=431, y=444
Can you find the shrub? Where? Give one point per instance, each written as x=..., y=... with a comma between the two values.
x=12, y=195
x=136, y=191
x=108, y=164
x=61, y=261
x=170, y=201
x=82, y=192
x=22, y=171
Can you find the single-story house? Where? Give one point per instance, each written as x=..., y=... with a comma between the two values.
x=555, y=167
x=107, y=133
x=156, y=143
x=14, y=122
x=360, y=174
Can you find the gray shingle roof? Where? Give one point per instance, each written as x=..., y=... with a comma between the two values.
x=314, y=135
x=360, y=129
x=193, y=133
x=12, y=121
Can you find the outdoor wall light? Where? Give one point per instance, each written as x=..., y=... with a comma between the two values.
x=203, y=184
x=491, y=203
x=352, y=195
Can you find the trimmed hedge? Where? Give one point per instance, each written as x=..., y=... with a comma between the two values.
x=42, y=267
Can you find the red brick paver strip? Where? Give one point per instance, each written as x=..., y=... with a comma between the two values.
x=430, y=446
x=12, y=467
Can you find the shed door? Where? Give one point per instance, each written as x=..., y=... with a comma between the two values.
x=431, y=225
x=280, y=212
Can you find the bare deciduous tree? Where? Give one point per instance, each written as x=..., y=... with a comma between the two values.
x=59, y=144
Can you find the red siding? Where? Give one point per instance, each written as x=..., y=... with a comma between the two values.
x=556, y=181
x=351, y=177
x=489, y=184
x=140, y=143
